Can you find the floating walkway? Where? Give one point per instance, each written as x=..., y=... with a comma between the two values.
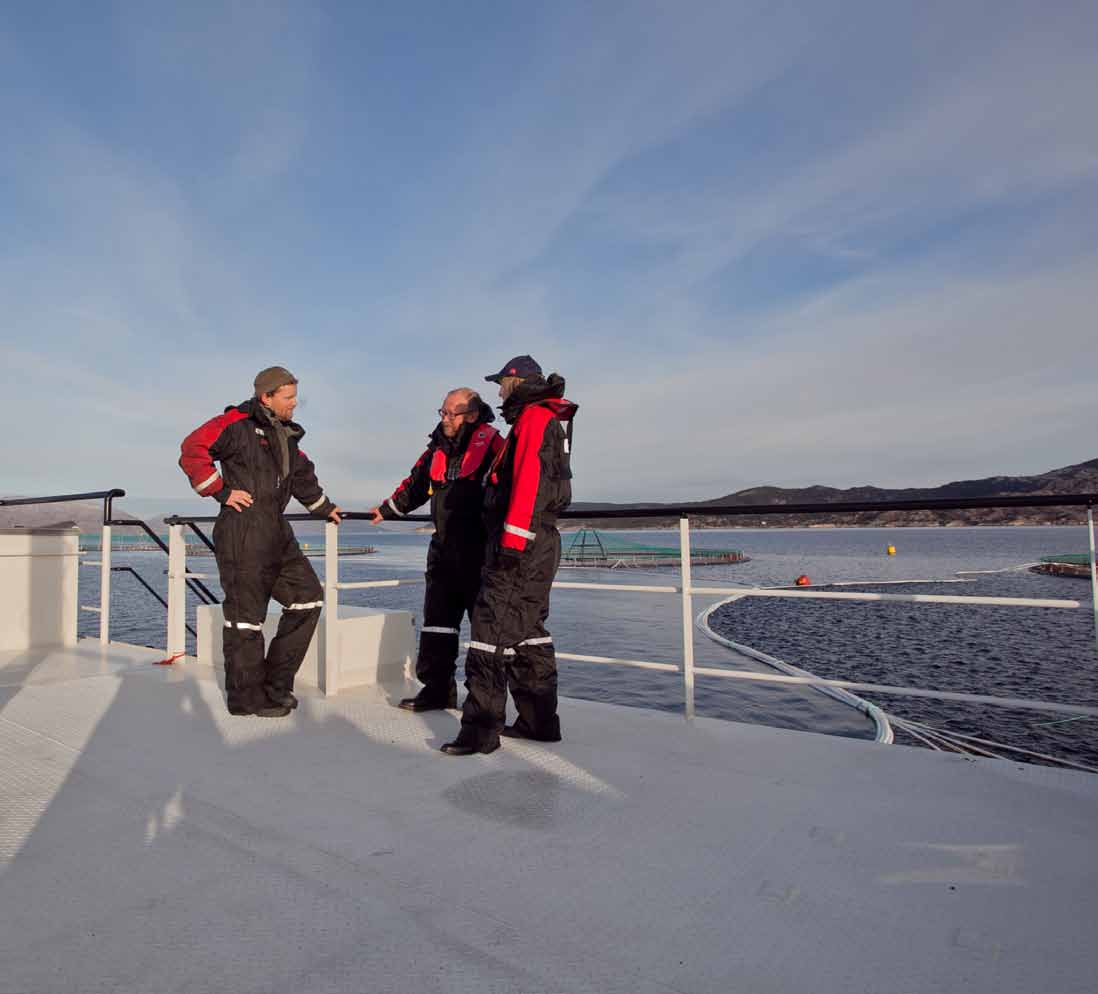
x=591, y=548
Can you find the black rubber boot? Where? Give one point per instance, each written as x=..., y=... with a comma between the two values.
x=284, y=697
x=428, y=700
x=465, y=745
x=520, y=730
x=271, y=710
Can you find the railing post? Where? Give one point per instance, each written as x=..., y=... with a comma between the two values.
x=329, y=674
x=687, y=619
x=1093, y=571
x=105, y=586
x=177, y=592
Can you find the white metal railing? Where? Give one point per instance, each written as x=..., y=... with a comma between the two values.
x=176, y=627
x=687, y=618
x=689, y=670
x=686, y=590
x=1093, y=571
x=104, y=564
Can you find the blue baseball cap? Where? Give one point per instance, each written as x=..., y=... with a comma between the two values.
x=521, y=365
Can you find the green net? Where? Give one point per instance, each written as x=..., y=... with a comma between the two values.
x=1069, y=558
x=589, y=546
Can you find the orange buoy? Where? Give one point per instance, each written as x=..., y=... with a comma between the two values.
x=802, y=581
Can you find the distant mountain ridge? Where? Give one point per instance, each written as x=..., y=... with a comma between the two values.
x=87, y=515
x=1079, y=478
x=1076, y=479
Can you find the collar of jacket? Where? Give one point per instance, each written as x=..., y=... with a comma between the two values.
x=446, y=466
x=251, y=407
x=535, y=390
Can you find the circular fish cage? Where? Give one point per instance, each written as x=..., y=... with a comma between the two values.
x=1073, y=564
x=589, y=547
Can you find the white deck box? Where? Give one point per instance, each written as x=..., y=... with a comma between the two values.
x=375, y=647
x=38, y=584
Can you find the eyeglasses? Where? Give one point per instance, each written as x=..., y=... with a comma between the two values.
x=444, y=414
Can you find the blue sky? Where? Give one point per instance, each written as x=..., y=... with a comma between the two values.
x=765, y=243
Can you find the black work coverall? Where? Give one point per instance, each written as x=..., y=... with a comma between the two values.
x=450, y=472
x=529, y=484
x=257, y=554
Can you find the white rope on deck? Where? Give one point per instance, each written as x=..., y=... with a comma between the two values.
x=929, y=743
x=984, y=572
x=875, y=714
x=999, y=745
x=924, y=733
x=955, y=745
x=1018, y=703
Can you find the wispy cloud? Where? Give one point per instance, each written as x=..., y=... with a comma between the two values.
x=790, y=244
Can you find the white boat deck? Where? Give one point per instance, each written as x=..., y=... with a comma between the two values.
x=151, y=842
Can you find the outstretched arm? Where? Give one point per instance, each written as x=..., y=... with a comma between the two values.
x=412, y=492
x=306, y=489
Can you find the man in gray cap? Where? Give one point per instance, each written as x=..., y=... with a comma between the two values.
x=261, y=467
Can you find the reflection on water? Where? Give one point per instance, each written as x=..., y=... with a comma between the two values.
x=1025, y=652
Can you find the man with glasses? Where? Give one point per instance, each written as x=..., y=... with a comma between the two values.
x=450, y=473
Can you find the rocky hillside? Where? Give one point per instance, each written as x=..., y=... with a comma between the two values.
x=1080, y=478
x=87, y=515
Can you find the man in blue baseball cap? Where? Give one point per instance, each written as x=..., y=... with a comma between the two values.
x=522, y=366
x=528, y=484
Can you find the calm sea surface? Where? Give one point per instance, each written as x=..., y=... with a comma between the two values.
x=1014, y=652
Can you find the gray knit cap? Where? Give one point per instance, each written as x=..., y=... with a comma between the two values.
x=270, y=379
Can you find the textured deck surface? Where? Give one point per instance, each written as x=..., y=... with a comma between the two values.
x=151, y=842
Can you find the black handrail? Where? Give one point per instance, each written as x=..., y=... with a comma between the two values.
x=838, y=507
x=198, y=588
x=107, y=496
x=201, y=591
x=140, y=579
x=138, y=523
x=745, y=510
x=201, y=519
x=202, y=535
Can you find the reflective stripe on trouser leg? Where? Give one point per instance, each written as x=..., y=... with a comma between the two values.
x=488, y=647
x=443, y=607
x=436, y=658
x=298, y=590
x=244, y=607
x=532, y=680
x=532, y=668
x=482, y=713
x=242, y=643
x=511, y=610
x=436, y=664
x=493, y=625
